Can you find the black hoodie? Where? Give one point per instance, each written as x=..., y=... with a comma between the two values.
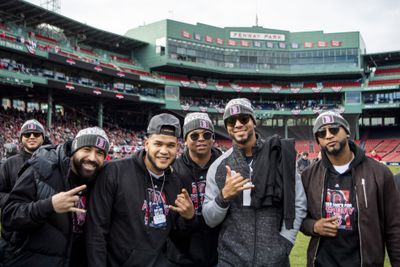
x=340, y=199
x=198, y=248
x=120, y=229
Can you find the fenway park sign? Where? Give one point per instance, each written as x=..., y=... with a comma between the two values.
x=258, y=36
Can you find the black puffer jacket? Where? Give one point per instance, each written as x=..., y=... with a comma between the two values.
x=198, y=248
x=9, y=174
x=47, y=235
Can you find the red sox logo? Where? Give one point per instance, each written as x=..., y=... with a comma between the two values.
x=234, y=110
x=101, y=142
x=327, y=119
x=204, y=124
x=31, y=126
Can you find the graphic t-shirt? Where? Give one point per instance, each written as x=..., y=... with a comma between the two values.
x=79, y=218
x=197, y=194
x=340, y=201
x=155, y=206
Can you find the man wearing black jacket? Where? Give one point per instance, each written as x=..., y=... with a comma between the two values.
x=31, y=137
x=198, y=248
x=138, y=202
x=352, y=202
x=46, y=207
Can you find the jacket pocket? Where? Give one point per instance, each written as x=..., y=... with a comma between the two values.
x=286, y=245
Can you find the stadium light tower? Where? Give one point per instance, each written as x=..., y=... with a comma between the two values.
x=52, y=5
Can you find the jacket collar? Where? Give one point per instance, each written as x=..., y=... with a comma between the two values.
x=257, y=146
x=215, y=153
x=49, y=157
x=359, y=156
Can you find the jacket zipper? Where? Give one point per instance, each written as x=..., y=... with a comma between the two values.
x=365, y=193
x=358, y=223
x=322, y=205
x=255, y=220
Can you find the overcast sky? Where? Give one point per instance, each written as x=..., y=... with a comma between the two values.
x=377, y=20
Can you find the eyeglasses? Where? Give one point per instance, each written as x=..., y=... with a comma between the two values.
x=243, y=119
x=333, y=129
x=196, y=136
x=27, y=135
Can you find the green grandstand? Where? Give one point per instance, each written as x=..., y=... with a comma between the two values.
x=169, y=65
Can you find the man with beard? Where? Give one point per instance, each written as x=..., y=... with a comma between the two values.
x=254, y=192
x=352, y=202
x=31, y=137
x=133, y=214
x=198, y=248
x=46, y=207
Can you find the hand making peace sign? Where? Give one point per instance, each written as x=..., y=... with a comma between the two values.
x=65, y=201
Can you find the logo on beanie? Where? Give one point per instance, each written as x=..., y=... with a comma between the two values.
x=31, y=126
x=204, y=124
x=327, y=119
x=101, y=142
x=234, y=110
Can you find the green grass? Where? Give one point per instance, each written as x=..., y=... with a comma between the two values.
x=394, y=169
x=298, y=256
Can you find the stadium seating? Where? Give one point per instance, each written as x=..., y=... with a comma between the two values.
x=371, y=144
x=394, y=156
x=383, y=82
x=302, y=146
x=387, y=71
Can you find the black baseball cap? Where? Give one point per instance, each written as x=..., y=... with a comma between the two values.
x=164, y=123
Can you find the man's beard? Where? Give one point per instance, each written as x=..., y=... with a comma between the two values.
x=153, y=163
x=82, y=173
x=245, y=140
x=30, y=150
x=336, y=152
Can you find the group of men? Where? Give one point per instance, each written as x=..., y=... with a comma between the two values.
x=64, y=205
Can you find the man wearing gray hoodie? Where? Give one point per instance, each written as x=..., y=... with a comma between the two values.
x=254, y=193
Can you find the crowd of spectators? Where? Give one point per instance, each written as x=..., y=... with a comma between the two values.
x=31, y=69
x=263, y=104
x=123, y=142
x=202, y=102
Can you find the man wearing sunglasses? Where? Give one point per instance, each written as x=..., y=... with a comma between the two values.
x=353, y=203
x=47, y=206
x=254, y=193
x=31, y=137
x=198, y=248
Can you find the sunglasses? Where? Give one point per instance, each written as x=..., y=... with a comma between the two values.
x=243, y=119
x=27, y=135
x=196, y=136
x=333, y=129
